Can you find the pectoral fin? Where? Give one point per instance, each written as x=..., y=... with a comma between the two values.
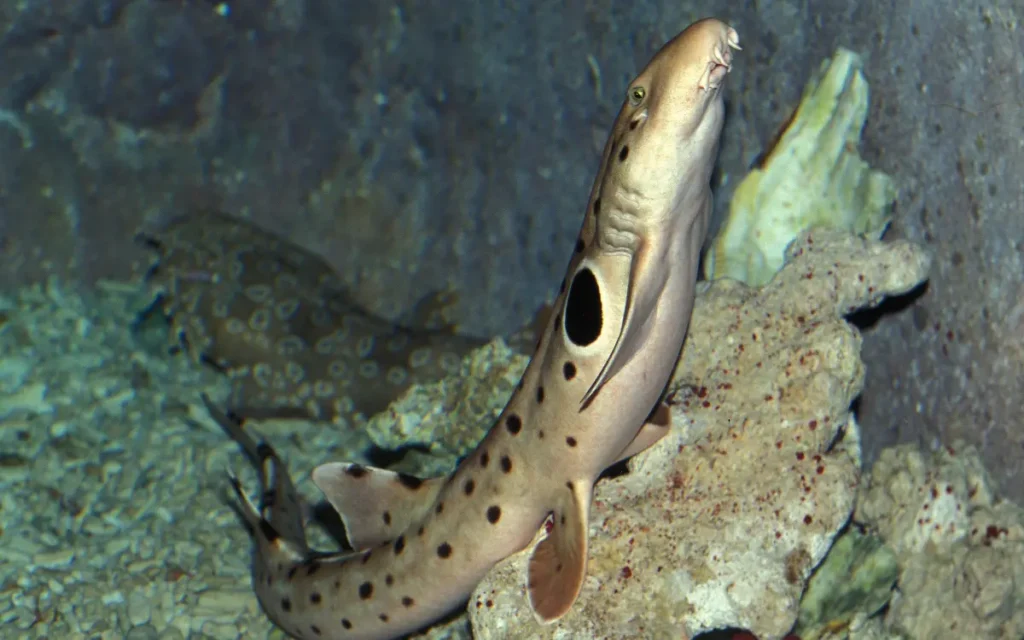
x=375, y=504
x=655, y=428
x=646, y=281
x=559, y=562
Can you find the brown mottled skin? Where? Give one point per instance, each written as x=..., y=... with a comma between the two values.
x=276, y=319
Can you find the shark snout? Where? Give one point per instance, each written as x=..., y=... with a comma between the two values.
x=720, y=62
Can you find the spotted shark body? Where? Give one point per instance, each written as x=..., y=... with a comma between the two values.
x=586, y=400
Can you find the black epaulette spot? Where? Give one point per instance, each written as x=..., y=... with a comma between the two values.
x=268, y=531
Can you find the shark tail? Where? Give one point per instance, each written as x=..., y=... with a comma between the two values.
x=277, y=521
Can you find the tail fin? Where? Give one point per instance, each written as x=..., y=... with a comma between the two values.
x=278, y=521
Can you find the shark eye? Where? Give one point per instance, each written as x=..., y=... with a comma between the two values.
x=637, y=95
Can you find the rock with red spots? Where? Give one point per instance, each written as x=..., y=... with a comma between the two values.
x=960, y=546
x=722, y=521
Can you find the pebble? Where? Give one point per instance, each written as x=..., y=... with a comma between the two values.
x=54, y=559
x=142, y=632
x=223, y=603
x=139, y=612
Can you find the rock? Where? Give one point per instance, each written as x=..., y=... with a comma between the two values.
x=853, y=583
x=450, y=417
x=959, y=546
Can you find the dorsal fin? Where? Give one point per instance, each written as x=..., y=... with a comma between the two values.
x=431, y=312
x=375, y=504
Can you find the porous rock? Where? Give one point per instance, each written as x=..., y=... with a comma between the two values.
x=448, y=418
x=959, y=545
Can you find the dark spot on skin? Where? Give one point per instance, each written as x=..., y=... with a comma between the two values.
x=366, y=558
x=286, y=604
x=583, y=310
x=407, y=602
x=387, y=518
x=263, y=451
x=439, y=508
x=506, y=464
x=268, y=531
x=493, y=514
x=623, y=153
x=540, y=395
x=291, y=572
x=383, y=617
x=345, y=623
x=571, y=441
x=366, y=591
x=540, y=434
x=356, y=471
x=421, y=531
x=569, y=370
x=399, y=545
x=315, y=629
x=580, y=245
x=314, y=598
x=312, y=567
x=408, y=481
x=513, y=423
x=468, y=487
x=633, y=124
x=562, y=520
x=444, y=550
x=484, y=459
x=389, y=579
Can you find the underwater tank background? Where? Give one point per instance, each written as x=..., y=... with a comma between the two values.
x=422, y=145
